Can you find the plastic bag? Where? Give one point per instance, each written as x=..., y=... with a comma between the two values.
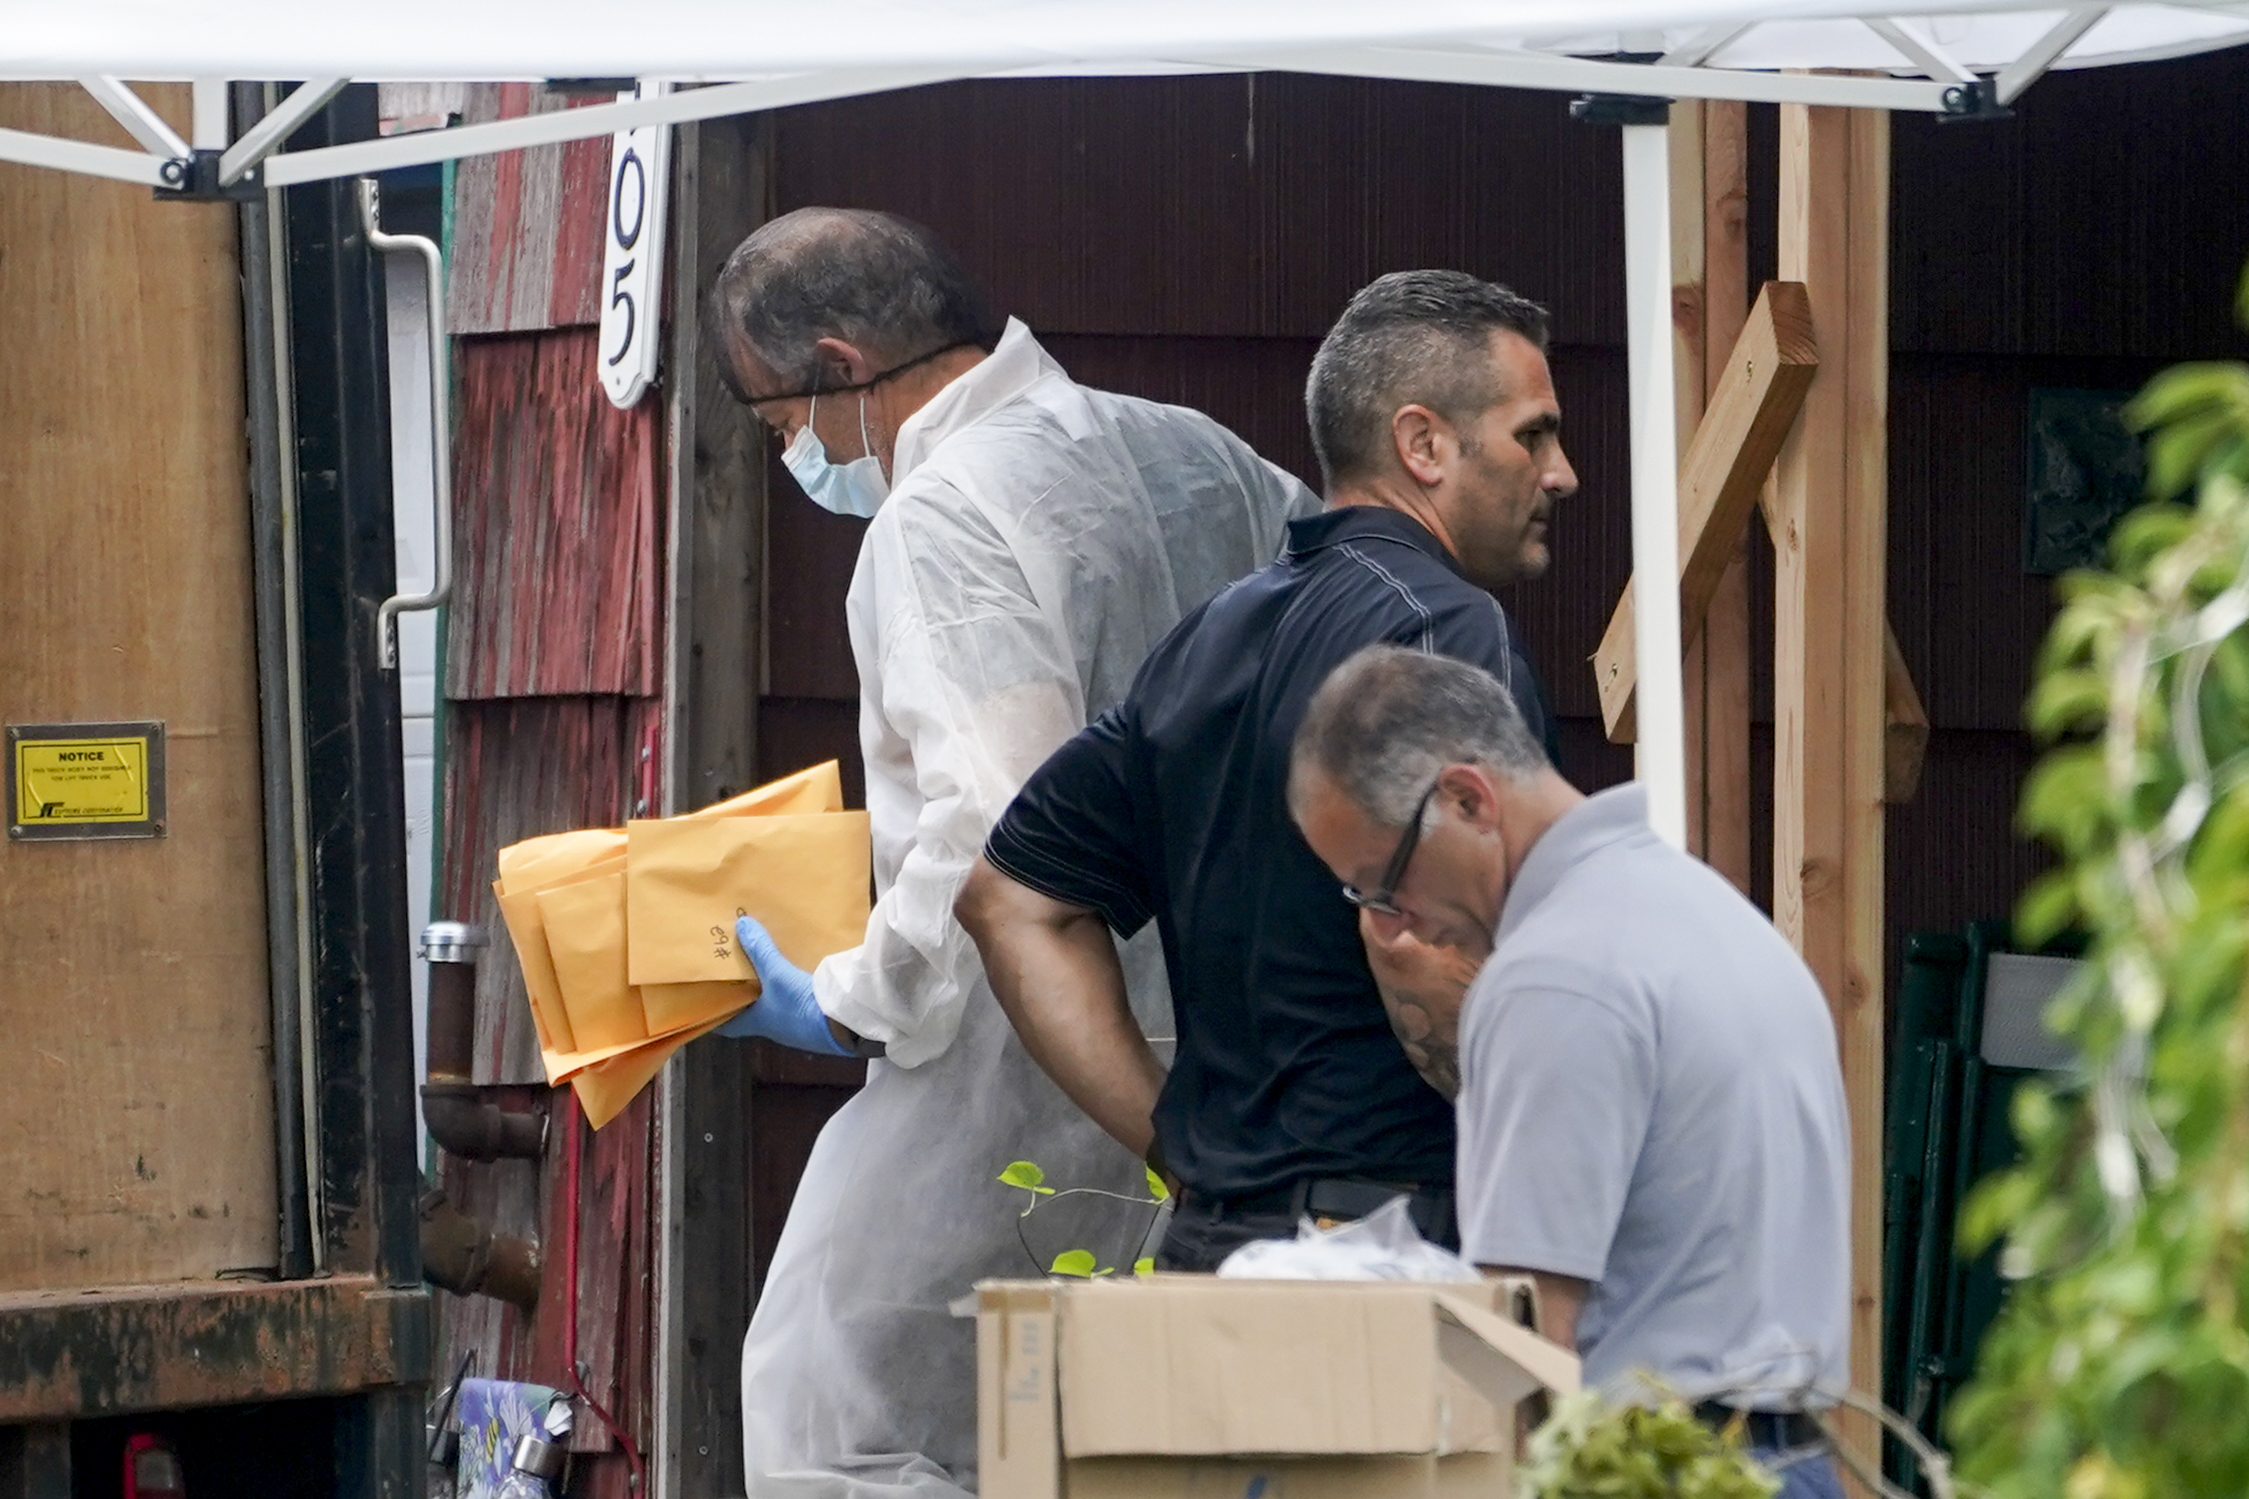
x=1384, y=1245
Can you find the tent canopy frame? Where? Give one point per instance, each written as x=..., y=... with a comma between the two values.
x=212, y=165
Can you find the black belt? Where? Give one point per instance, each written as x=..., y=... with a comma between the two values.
x=1339, y=1199
x=1771, y=1430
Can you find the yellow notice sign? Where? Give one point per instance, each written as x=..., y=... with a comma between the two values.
x=86, y=780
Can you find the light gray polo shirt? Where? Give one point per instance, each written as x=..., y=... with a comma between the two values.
x=1650, y=1101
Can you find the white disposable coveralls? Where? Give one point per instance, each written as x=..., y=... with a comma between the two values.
x=1038, y=539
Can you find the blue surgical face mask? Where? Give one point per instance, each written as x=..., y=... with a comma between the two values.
x=854, y=488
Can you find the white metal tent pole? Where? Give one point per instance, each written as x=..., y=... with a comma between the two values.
x=1661, y=705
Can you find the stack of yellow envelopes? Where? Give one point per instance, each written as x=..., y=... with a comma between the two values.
x=626, y=936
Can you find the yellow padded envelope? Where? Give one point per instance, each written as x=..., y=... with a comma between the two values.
x=819, y=789
x=564, y=899
x=520, y=910
x=606, y=1087
x=585, y=926
x=686, y=879
x=548, y=860
x=671, y=1007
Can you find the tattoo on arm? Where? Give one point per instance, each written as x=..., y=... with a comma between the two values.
x=1422, y=987
x=1434, y=1050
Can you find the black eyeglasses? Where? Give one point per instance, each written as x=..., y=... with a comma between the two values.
x=1383, y=900
x=754, y=402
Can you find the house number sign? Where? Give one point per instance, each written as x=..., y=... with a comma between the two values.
x=632, y=262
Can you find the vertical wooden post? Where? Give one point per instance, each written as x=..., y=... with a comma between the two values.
x=722, y=190
x=1710, y=275
x=1830, y=542
x=1724, y=678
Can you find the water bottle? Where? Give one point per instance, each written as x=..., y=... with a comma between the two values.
x=537, y=1464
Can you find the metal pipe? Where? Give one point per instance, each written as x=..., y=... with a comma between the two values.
x=1514, y=68
x=452, y=1015
x=275, y=126
x=1661, y=693
x=461, y=1254
x=421, y=147
x=2045, y=52
x=31, y=149
x=207, y=114
x=272, y=538
x=142, y=123
x=465, y=1119
x=441, y=447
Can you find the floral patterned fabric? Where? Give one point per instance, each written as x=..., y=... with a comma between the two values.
x=494, y=1415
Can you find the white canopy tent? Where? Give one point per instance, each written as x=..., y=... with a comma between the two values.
x=712, y=58
x=1934, y=56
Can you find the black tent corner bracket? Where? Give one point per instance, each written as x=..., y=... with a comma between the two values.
x=1975, y=101
x=1620, y=109
x=194, y=178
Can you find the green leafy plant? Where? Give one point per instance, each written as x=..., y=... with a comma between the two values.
x=1082, y=1264
x=1590, y=1449
x=2119, y=1366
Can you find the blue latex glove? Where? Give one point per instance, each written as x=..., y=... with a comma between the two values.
x=784, y=1010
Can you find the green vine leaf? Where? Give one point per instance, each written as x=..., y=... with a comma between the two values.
x=1077, y=1262
x=1156, y=1185
x=1145, y=1265
x=2119, y=1363
x=1028, y=1176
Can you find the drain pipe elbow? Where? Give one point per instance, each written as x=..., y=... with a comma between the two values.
x=461, y=1254
x=466, y=1123
x=466, y=1120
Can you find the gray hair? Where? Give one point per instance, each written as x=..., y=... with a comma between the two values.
x=875, y=280
x=1408, y=338
x=1387, y=721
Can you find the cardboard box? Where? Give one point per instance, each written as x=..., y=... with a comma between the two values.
x=1191, y=1387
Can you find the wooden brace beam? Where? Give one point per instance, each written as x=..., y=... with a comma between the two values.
x=1741, y=432
x=1905, y=726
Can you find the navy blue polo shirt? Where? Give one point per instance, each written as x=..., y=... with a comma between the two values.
x=1173, y=806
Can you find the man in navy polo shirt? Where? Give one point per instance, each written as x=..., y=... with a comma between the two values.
x=1298, y=1083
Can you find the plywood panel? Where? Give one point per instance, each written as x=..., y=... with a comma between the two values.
x=136, y=1125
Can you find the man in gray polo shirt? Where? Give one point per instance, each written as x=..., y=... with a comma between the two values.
x=1651, y=1112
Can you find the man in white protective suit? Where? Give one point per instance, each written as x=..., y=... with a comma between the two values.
x=1031, y=539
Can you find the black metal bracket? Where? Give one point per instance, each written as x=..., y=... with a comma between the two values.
x=1620, y=109
x=194, y=178
x=1974, y=103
